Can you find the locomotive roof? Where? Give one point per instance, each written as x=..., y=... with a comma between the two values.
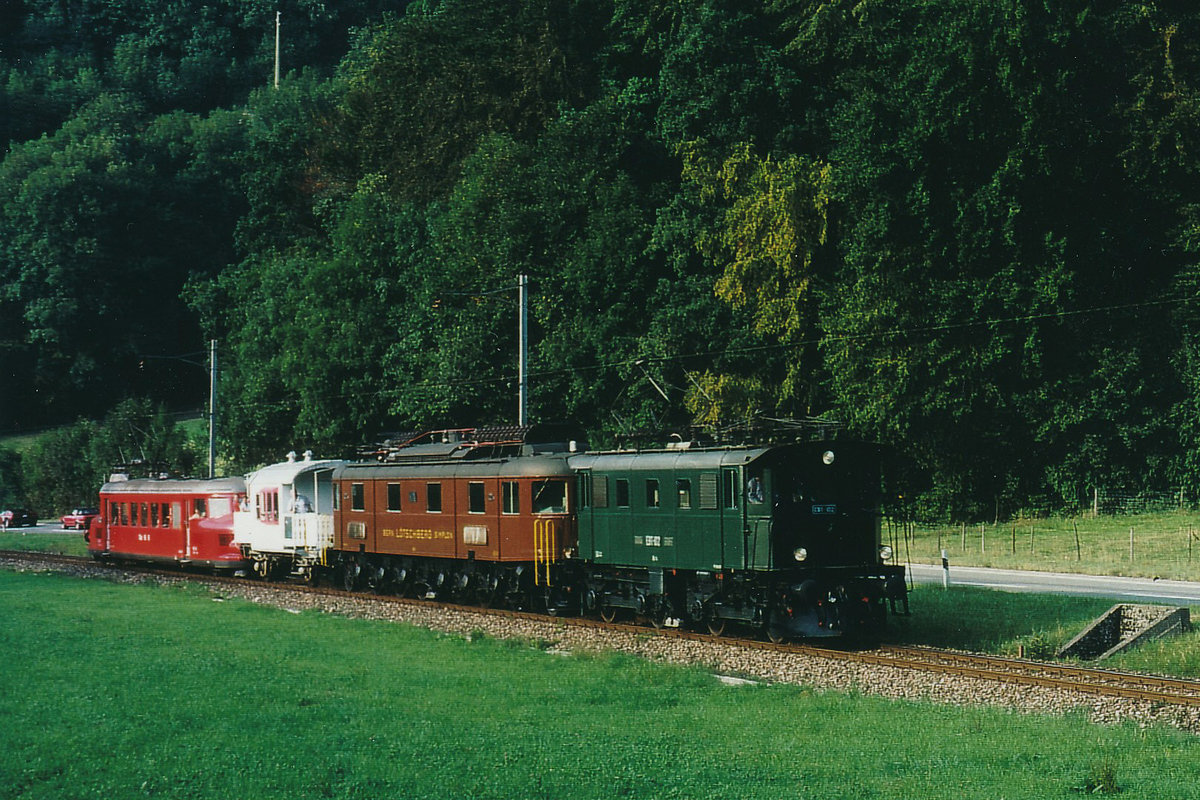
x=692, y=457
x=176, y=486
x=678, y=458
x=286, y=472
x=531, y=465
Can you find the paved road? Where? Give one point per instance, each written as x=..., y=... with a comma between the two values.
x=1135, y=590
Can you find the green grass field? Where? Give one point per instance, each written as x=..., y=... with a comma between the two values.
x=113, y=691
x=69, y=543
x=1165, y=545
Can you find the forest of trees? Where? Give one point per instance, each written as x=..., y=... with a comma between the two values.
x=965, y=229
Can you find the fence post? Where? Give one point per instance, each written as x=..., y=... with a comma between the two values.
x=964, y=537
x=1075, y=525
x=982, y=546
x=1131, y=545
x=1096, y=502
x=1014, y=537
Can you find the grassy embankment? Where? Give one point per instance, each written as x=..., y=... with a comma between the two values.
x=113, y=691
x=1164, y=545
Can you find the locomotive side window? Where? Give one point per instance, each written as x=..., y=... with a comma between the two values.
x=512, y=497
x=267, y=504
x=622, y=493
x=652, y=498
x=358, y=497
x=683, y=488
x=433, y=498
x=394, y=495
x=199, y=508
x=708, y=491
x=476, y=500
x=165, y=516
x=550, y=497
x=600, y=491
x=729, y=487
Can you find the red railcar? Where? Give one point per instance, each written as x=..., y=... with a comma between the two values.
x=186, y=522
x=484, y=515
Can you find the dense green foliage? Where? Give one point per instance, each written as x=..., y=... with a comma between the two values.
x=966, y=229
x=232, y=700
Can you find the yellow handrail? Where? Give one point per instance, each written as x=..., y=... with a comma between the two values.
x=545, y=545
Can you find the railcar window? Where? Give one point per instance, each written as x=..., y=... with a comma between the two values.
x=124, y=513
x=358, y=497
x=433, y=498
x=394, y=495
x=512, y=497
x=622, y=493
x=220, y=506
x=200, y=508
x=133, y=513
x=154, y=515
x=550, y=497
x=476, y=500
x=652, y=500
x=165, y=516
x=177, y=515
x=683, y=488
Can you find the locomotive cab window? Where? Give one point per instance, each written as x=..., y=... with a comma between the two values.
x=358, y=497
x=393, y=497
x=200, y=508
x=433, y=498
x=754, y=490
x=550, y=497
x=476, y=499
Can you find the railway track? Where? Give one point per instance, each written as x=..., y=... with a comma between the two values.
x=1160, y=690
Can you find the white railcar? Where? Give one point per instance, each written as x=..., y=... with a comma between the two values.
x=286, y=524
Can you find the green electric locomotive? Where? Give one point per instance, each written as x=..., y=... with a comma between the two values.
x=782, y=538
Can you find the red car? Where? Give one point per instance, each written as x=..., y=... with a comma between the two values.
x=80, y=518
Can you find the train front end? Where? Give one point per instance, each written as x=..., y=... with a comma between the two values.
x=833, y=576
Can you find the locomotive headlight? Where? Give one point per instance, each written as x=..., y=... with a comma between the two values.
x=827, y=458
x=800, y=554
x=885, y=553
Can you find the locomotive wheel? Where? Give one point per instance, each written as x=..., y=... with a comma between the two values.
x=776, y=633
x=349, y=575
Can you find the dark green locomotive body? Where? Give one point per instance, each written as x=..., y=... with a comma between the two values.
x=783, y=537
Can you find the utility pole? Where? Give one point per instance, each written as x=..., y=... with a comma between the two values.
x=276, y=55
x=523, y=350
x=212, y=409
